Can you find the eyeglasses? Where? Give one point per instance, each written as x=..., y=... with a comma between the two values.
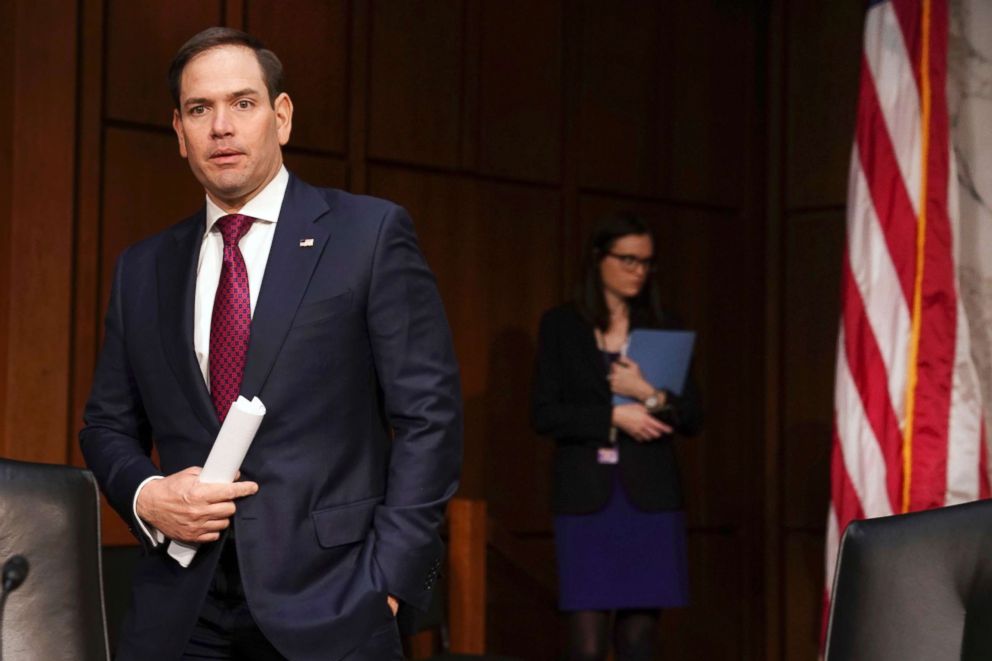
x=632, y=262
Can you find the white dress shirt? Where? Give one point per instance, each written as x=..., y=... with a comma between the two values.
x=255, y=246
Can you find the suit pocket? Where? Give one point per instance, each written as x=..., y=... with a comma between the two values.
x=312, y=313
x=344, y=524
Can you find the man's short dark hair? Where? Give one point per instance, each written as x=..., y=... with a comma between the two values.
x=215, y=37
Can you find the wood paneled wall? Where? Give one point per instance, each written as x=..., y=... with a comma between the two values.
x=37, y=169
x=505, y=127
x=814, y=63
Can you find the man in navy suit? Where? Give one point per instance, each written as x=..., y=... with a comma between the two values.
x=320, y=303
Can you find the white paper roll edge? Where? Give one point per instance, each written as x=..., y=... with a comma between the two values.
x=224, y=462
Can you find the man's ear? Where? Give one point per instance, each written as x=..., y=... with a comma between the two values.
x=283, y=107
x=177, y=126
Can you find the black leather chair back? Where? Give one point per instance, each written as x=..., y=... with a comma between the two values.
x=51, y=515
x=915, y=587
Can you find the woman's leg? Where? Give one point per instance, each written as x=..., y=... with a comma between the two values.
x=588, y=635
x=636, y=634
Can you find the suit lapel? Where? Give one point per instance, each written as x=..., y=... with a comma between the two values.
x=176, y=295
x=287, y=274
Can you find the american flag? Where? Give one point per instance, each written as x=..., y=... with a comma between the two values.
x=908, y=425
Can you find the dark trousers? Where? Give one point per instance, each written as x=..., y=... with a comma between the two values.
x=226, y=629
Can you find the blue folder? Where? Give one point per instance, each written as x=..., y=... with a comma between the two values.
x=663, y=357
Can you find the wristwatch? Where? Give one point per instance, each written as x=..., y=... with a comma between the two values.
x=653, y=402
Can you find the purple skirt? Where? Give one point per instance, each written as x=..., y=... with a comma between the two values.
x=621, y=557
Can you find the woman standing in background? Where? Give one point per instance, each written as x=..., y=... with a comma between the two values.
x=619, y=525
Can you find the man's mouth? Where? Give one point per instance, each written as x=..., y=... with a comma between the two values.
x=222, y=156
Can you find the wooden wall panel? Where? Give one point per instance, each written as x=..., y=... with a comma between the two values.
x=440, y=104
x=522, y=615
x=311, y=41
x=819, y=65
x=814, y=245
x=803, y=595
x=415, y=81
x=714, y=95
x=521, y=92
x=141, y=39
x=718, y=603
x=666, y=97
x=822, y=67
x=523, y=247
x=151, y=189
x=38, y=239
x=8, y=44
x=87, y=306
x=621, y=83
x=317, y=170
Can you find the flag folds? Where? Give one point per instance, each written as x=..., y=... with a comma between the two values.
x=908, y=426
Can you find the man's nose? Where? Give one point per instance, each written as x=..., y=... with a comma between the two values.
x=221, y=124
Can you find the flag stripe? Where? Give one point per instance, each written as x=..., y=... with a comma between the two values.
x=845, y=501
x=908, y=426
x=886, y=187
x=848, y=506
x=908, y=16
x=878, y=287
x=869, y=376
x=892, y=76
x=864, y=463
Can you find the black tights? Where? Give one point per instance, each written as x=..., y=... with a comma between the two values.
x=635, y=633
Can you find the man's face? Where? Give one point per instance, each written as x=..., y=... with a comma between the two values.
x=228, y=130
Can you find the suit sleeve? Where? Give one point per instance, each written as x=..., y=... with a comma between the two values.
x=551, y=412
x=418, y=374
x=116, y=438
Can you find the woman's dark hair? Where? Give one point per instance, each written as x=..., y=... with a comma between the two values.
x=216, y=37
x=590, y=300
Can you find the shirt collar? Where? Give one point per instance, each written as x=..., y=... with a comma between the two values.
x=264, y=206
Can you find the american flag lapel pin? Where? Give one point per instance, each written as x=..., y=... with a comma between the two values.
x=306, y=243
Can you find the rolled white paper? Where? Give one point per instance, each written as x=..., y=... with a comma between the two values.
x=226, y=455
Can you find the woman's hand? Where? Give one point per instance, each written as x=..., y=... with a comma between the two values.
x=627, y=380
x=638, y=423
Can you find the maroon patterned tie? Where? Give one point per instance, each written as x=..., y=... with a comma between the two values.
x=231, y=320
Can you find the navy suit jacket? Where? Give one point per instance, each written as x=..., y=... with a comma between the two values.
x=358, y=453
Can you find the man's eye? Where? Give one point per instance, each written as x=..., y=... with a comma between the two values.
x=244, y=104
x=197, y=110
x=628, y=260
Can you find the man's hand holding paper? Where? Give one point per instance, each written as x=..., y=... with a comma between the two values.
x=222, y=468
x=185, y=509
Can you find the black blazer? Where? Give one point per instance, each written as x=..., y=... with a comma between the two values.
x=573, y=404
